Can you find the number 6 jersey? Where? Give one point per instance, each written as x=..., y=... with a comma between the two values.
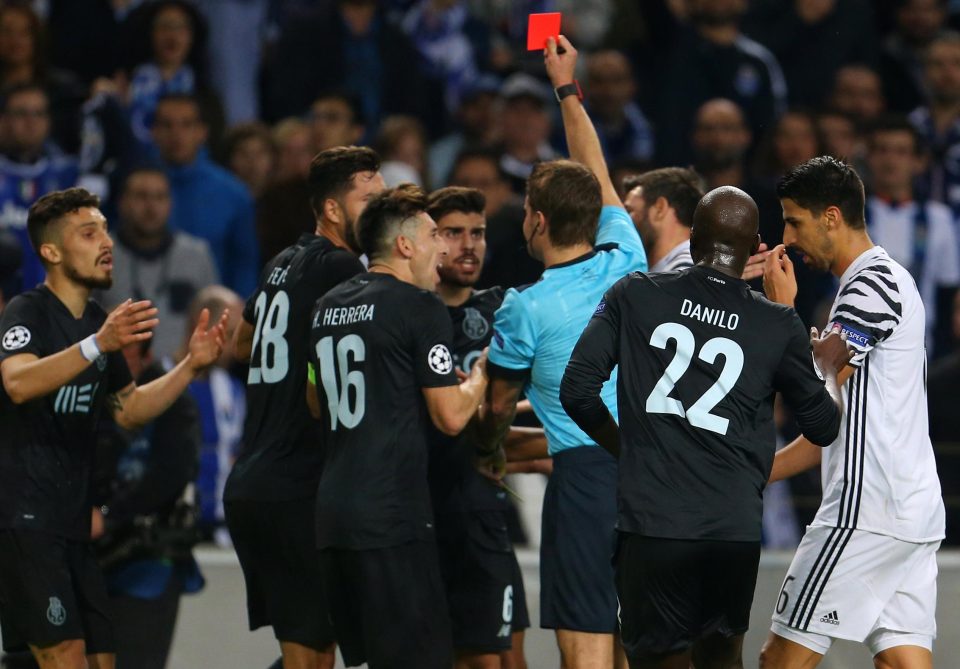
x=375, y=343
x=701, y=357
x=281, y=457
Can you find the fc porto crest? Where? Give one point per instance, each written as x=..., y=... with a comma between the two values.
x=56, y=614
x=475, y=325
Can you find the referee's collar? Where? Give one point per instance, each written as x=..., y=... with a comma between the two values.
x=586, y=256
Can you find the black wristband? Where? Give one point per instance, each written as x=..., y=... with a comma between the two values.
x=568, y=89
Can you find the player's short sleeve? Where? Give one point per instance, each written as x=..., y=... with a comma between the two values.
x=21, y=325
x=514, y=339
x=616, y=227
x=118, y=373
x=432, y=333
x=868, y=310
x=335, y=268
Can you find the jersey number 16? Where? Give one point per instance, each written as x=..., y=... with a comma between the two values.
x=346, y=408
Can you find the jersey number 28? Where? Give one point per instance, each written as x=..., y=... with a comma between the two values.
x=269, y=361
x=699, y=414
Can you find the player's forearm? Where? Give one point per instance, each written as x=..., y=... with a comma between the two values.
x=607, y=436
x=26, y=380
x=525, y=443
x=468, y=398
x=584, y=144
x=799, y=456
x=149, y=401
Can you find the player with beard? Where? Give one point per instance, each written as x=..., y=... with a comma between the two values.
x=384, y=374
x=61, y=365
x=487, y=601
x=269, y=496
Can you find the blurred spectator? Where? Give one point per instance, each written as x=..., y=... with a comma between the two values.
x=151, y=262
x=918, y=22
x=720, y=140
x=840, y=135
x=402, y=145
x=661, y=204
x=221, y=401
x=351, y=47
x=525, y=125
x=793, y=140
x=208, y=201
x=507, y=262
x=812, y=39
x=250, y=153
x=23, y=61
x=943, y=398
x=336, y=119
x=31, y=165
x=145, y=524
x=713, y=59
x=476, y=120
x=939, y=121
x=294, y=153
x=858, y=91
x=11, y=257
x=921, y=234
x=234, y=54
x=171, y=62
x=625, y=133
x=454, y=47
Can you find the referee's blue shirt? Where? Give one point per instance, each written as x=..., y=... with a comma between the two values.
x=537, y=327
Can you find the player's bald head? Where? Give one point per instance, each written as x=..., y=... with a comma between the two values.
x=726, y=219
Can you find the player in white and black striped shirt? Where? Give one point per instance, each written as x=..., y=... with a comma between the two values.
x=866, y=569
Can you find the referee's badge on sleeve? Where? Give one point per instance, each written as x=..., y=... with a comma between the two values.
x=16, y=337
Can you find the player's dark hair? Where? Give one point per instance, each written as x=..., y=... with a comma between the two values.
x=455, y=198
x=52, y=207
x=886, y=123
x=681, y=187
x=380, y=222
x=568, y=195
x=824, y=182
x=13, y=90
x=332, y=171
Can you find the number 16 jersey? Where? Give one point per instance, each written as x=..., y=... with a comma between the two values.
x=700, y=356
x=282, y=455
x=375, y=343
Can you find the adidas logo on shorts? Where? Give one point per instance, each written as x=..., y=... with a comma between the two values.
x=831, y=618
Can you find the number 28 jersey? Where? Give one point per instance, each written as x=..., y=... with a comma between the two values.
x=282, y=456
x=375, y=343
x=700, y=358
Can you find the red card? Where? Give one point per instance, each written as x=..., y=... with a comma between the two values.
x=541, y=27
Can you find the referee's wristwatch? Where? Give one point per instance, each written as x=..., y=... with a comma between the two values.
x=572, y=88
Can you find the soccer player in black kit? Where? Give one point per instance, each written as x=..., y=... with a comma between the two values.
x=269, y=495
x=61, y=366
x=488, y=610
x=381, y=347
x=700, y=357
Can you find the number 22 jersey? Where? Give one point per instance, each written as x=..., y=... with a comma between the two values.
x=375, y=343
x=282, y=456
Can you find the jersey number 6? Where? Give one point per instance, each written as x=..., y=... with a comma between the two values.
x=699, y=414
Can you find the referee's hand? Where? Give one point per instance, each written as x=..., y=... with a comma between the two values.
x=129, y=323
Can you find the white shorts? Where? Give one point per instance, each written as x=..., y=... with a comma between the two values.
x=861, y=586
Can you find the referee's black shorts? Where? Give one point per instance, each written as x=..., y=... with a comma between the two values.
x=577, y=589
x=276, y=546
x=674, y=592
x=51, y=590
x=388, y=606
x=476, y=560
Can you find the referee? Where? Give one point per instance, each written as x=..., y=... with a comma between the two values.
x=700, y=359
x=61, y=365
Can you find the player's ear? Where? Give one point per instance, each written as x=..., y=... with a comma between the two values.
x=833, y=217
x=660, y=207
x=756, y=245
x=50, y=253
x=331, y=210
x=404, y=246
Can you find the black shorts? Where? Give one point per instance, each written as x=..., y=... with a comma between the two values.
x=51, y=590
x=674, y=592
x=476, y=560
x=577, y=589
x=281, y=566
x=388, y=606
x=521, y=615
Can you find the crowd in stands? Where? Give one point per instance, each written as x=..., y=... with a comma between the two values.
x=196, y=123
